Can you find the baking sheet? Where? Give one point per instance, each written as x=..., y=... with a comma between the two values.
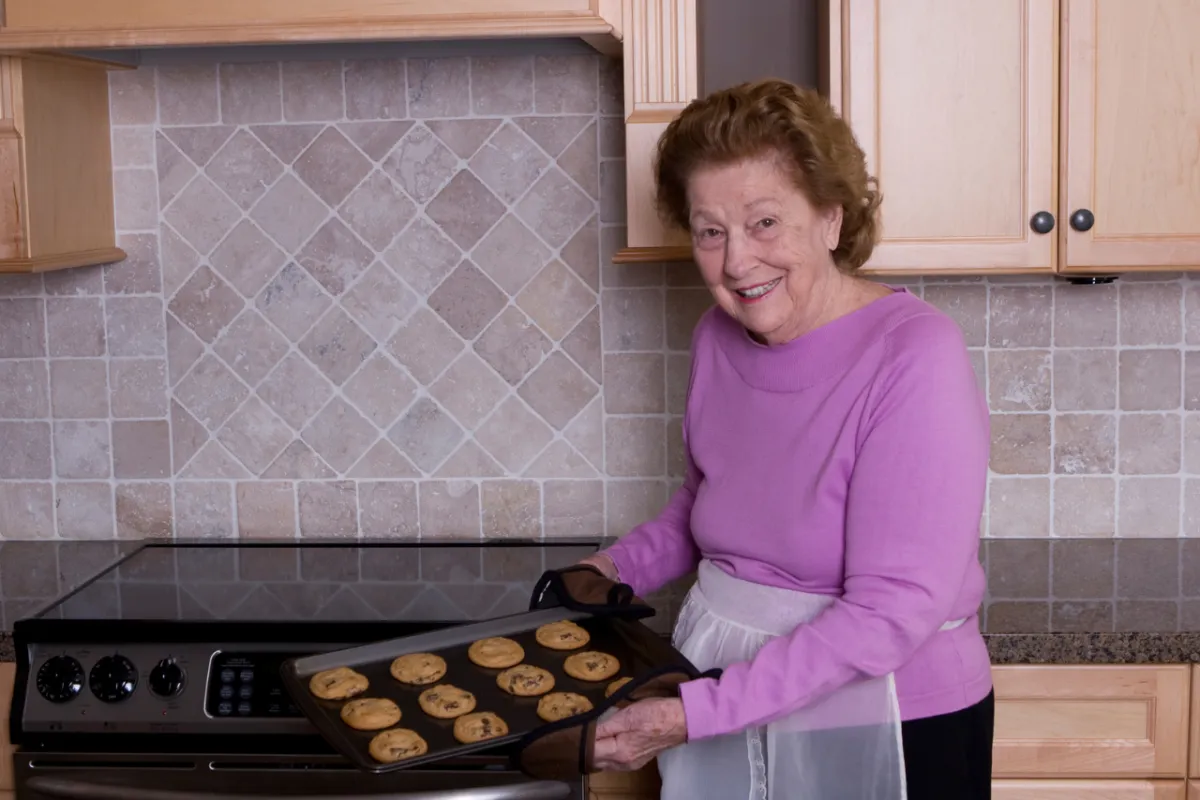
x=637, y=647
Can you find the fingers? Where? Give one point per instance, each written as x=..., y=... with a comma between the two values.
x=617, y=723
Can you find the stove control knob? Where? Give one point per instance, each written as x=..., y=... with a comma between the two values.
x=113, y=678
x=166, y=679
x=60, y=679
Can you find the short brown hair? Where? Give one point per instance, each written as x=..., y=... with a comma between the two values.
x=774, y=117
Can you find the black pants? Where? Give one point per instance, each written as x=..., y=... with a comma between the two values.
x=949, y=757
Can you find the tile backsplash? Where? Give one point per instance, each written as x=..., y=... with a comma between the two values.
x=376, y=297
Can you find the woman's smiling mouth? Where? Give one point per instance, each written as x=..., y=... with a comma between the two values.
x=755, y=293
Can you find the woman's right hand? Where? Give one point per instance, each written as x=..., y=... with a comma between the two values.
x=604, y=563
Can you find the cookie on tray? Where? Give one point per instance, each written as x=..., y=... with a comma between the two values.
x=445, y=701
x=560, y=705
x=496, y=652
x=478, y=727
x=563, y=635
x=419, y=669
x=339, y=683
x=591, y=665
x=615, y=686
x=525, y=680
x=370, y=713
x=397, y=744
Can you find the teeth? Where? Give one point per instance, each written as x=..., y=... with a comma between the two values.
x=758, y=291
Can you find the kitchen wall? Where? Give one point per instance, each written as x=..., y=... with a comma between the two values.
x=376, y=297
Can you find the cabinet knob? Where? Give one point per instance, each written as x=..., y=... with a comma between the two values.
x=1042, y=222
x=1082, y=220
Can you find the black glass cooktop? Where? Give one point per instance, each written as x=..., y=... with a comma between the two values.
x=457, y=581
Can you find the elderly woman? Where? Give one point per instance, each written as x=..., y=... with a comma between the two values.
x=837, y=453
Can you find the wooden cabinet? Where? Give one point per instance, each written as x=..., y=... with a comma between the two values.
x=57, y=24
x=983, y=119
x=641, y=785
x=1092, y=721
x=56, y=202
x=1089, y=790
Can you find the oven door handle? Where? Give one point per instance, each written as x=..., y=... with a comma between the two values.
x=81, y=790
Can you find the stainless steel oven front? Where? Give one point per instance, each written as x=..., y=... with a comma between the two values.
x=129, y=776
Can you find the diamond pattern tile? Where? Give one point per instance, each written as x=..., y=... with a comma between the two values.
x=295, y=390
x=509, y=163
x=512, y=345
x=287, y=142
x=380, y=390
x=211, y=392
x=421, y=164
x=465, y=209
x=556, y=300
x=377, y=210
x=332, y=166
x=552, y=134
x=243, y=168
x=255, y=435
x=289, y=213
x=250, y=346
x=423, y=256
x=426, y=434
x=205, y=304
x=335, y=256
x=199, y=143
x=469, y=389
x=292, y=301
x=513, y=435
x=247, y=258
x=202, y=214
x=340, y=435
x=337, y=346
x=425, y=345
x=376, y=139
x=463, y=136
x=511, y=254
x=467, y=300
x=558, y=390
x=556, y=207
x=175, y=170
x=379, y=302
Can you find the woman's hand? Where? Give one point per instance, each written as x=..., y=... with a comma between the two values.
x=632, y=737
x=604, y=563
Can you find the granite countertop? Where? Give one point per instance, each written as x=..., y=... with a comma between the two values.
x=1036, y=648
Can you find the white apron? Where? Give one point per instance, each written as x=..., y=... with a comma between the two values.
x=847, y=746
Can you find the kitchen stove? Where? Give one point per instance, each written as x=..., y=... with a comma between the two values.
x=161, y=673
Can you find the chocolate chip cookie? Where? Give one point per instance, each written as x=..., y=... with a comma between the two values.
x=615, y=686
x=419, y=669
x=397, y=744
x=370, y=713
x=339, y=683
x=479, y=726
x=496, y=652
x=446, y=702
x=560, y=705
x=591, y=665
x=525, y=680
x=562, y=636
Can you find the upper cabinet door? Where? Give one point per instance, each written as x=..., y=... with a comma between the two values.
x=954, y=102
x=1131, y=80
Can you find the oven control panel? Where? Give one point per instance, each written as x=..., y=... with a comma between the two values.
x=154, y=688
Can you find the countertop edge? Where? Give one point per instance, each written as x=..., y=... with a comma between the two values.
x=1031, y=648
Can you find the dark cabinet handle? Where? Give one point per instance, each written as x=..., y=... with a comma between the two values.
x=1082, y=220
x=1042, y=222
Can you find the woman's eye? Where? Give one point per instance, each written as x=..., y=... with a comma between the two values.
x=766, y=223
x=710, y=233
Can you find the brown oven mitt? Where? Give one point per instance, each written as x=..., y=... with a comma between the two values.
x=583, y=588
x=565, y=750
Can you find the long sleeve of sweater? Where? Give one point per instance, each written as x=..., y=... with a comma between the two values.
x=913, y=505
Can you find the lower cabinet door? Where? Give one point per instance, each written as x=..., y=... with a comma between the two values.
x=1089, y=790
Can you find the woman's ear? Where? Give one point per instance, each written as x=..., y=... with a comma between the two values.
x=831, y=232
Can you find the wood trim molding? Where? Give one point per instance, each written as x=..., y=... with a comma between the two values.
x=85, y=258
x=652, y=255
x=592, y=29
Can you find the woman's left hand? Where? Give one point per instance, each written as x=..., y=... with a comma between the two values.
x=632, y=737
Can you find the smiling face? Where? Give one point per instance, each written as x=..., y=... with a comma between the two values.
x=763, y=250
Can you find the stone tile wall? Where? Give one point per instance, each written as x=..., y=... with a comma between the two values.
x=375, y=297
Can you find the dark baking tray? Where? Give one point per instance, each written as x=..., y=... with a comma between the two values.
x=637, y=647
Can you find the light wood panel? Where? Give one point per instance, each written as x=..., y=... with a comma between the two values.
x=49, y=24
x=954, y=104
x=661, y=78
x=8, y=672
x=1131, y=82
x=1088, y=790
x=1091, y=721
x=1193, y=792
x=640, y=785
x=55, y=164
x=1194, y=727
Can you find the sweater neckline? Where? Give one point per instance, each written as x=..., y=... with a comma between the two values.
x=807, y=360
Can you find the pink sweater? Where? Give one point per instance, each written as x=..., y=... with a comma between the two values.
x=850, y=462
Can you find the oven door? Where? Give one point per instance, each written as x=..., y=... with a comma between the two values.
x=175, y=777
